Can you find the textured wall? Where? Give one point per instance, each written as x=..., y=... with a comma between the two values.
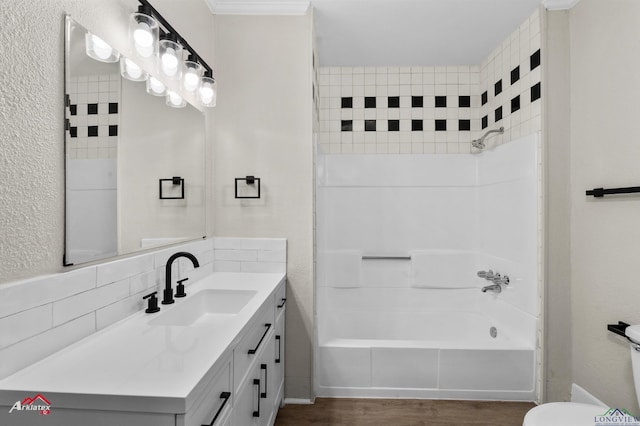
x=32, y=112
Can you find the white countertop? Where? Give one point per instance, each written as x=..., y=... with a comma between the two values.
x=134, y=366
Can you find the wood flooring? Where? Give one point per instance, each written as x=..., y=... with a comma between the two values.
x=403, y=412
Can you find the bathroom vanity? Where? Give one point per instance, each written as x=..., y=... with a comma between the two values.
x=214, y=357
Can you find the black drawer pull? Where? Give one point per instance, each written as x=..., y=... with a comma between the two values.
x=253, y=351
x=225, y=396
x=256, y=382
x=279, y=339
x=264, y=367
x=284, y=300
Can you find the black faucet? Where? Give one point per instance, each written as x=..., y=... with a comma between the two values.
x=168, y=291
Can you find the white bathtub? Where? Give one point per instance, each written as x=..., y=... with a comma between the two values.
x=433, y=354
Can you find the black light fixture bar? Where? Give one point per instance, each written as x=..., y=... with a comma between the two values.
x=169, y=29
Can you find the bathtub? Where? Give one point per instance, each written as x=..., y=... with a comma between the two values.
x=429, y=354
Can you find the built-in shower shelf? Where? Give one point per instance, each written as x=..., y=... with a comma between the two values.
x=601, y=192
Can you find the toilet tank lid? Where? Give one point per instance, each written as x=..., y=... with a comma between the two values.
x=633, y=333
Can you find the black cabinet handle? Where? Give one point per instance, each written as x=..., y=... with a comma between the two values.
x=256, y=382
x=279, y=339
x=253, y=351
x=264, y=367
x=225, y=396
x=284, y=300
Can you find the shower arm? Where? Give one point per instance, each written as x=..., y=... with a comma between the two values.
x=483, y=137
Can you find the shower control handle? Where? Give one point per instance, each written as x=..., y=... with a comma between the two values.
x=487, y=275
x=501, y=280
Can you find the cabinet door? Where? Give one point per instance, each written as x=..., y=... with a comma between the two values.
x=248, y=406
x=278, y=359
x=248, y=349
x=215, y=403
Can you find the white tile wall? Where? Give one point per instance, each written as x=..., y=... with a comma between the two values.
x=429, y=82
x=99, y=89
x=44, y=314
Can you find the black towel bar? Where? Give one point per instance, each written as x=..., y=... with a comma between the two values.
x=601, y=192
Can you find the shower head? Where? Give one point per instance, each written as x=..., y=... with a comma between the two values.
x=479, y=143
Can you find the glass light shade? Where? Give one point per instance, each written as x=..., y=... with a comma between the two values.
x=191, y=75
x=131, y=71
x=170, y=59
x=174, y=100
x=143, y=35
x=208, y=93
x=155, y=87
x=98, y=49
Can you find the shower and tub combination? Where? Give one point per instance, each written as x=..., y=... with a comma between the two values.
x=427, y=274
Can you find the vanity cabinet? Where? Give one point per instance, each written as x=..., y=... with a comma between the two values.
x=242, y=386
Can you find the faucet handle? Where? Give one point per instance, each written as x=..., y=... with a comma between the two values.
x=487, y=275
x=180, y=288
x=501, y=280
x=153, y=303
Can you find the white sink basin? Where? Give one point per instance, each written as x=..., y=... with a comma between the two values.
x=204, y=303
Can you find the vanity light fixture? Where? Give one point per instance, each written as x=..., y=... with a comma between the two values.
x=172, y=47
x=174, y=100
x=144, y=32
x=98, y=49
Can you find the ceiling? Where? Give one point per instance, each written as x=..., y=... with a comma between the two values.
x=402, y=32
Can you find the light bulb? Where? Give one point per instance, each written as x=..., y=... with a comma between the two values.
x=143, y=39
x=191, y=81
x=156, y=87
x=174, y=100
x=169, y=62
x=100, y=47
x=206, y=95
x=132, y=69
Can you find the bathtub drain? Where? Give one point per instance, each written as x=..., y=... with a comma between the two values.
x=493, y=332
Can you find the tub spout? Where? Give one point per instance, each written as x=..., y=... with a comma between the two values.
x=496, y=288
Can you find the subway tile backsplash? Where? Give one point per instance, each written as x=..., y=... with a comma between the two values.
x=42, y=315
x=433, y=109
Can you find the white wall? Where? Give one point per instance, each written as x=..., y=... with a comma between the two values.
x=263, y=127
x=605, y=236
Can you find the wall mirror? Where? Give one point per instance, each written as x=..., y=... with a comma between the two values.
x=123, y=149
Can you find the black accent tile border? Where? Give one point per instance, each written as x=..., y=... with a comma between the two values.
x=441, y=101
x=464, y=125
x=485, y=97
x=498, y=114
x=416, y=125
x=535, y=92
x=393, y=125
x=346, y=102
x=369, y=101
x=113, y=108
x=464, y=101
x=92, y=109
x=417, y=102
x=73, y=131
x=497, y=88
x=534, y=60
x=515, y=104
x=485, y=121
x=393, y=101
x=113, y=130
x=346, y=125
x=92, y=131
x=73, y=109
x=515, y=74
x=370, y=125
x=441, y=125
